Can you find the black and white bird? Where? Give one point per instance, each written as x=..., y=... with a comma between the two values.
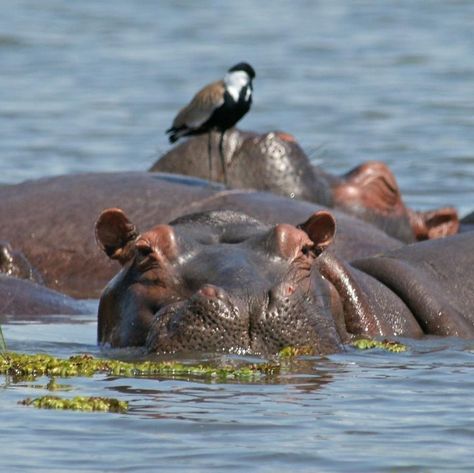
x=217, y=106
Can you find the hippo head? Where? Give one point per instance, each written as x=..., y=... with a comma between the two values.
x=217, y=281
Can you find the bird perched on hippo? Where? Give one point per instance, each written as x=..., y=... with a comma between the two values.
x=217, y=106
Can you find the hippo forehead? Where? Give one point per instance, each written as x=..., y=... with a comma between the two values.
x=226, y=249
x=233, y=266
x=221, y=226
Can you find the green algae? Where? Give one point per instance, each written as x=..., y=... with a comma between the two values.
x=20, y=366
x=387, y=345
x=292, y=352
x=53, y=385
x=78, y=403
x=25, y=366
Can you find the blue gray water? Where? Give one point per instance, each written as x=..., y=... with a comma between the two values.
x=91, y=86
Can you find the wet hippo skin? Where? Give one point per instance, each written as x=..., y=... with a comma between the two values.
x=274, y=162
x=223, y=281
x=22, y=292
x=22, y=297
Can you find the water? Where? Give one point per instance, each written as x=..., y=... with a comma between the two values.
x=91, y=86
x=356, y=411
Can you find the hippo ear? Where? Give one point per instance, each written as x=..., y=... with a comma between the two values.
x=287, y=241
x=161, y=241
x=113, y=231
x=321, y=228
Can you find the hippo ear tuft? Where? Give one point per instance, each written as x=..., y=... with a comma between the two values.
x=321, y=228
x=113, y=231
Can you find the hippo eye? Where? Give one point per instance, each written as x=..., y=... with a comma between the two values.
x=143, y=249
x=307, y=249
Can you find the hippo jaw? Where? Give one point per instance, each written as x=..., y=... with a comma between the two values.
x=255, y=294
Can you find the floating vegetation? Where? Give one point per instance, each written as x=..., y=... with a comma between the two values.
x=78, y=403
x=53, y=385
x=291, y=352
x=23, y=366
x=20, y=366
x=388, y=345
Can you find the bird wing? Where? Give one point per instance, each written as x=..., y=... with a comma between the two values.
x=201, y=107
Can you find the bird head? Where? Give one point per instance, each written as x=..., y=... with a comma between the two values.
x=245, y=67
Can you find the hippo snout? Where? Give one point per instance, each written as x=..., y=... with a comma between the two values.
x=208, y=321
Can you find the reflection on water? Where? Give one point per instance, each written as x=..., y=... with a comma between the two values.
x=91, y=86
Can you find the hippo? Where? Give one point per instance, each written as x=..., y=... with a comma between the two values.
x=223, y=281
x=22, y=292
x=274, y=162
x=24, y=298
x=51, y=220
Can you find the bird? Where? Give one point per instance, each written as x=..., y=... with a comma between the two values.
x=217, y=106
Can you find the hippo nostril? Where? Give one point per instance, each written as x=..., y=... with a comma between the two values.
x=211, y=292
x=288, y=289
x=282, y=291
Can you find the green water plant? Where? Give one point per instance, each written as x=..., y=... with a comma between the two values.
x=387, y=345
x=53, y=385
x=292, y=352
x=20, y=365
x=78, y=403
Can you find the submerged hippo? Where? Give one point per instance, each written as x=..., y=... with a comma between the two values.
x=22, y=297
x=224, y=281
x=22, y=292
x=275, y=162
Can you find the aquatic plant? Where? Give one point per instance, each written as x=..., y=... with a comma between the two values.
x=78, y=403
x=388, y=345
x=292, y=352
x=20, y=365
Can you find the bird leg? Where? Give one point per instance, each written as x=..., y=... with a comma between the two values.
x=209, y=156
x=221, y=152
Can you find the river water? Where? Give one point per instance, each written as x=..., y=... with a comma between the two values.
x=91, y=86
